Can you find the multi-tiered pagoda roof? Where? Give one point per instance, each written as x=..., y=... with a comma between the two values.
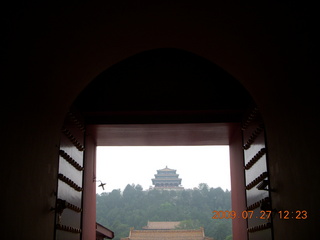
x=167, y=179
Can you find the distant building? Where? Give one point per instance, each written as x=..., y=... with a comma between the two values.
x=161, y=225
x=168, y=234
x=167, y=179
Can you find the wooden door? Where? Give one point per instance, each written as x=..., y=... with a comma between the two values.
x=70, y=180
x=258, y=200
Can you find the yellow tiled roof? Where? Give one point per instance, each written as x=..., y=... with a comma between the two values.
x=195, y=234
x=166, y=234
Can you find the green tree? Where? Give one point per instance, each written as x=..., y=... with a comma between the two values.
x=204, y=188
x=229, y=237
x=134, y=208
x=129, y=192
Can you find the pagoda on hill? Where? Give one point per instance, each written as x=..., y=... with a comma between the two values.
x=167, y=179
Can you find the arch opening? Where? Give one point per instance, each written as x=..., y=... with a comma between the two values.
x=164, y=97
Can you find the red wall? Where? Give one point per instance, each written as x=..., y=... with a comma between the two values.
x=239, y=225
x=89, y=192
x=53, y=51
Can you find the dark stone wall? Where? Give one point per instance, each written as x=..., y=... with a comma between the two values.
x=52, y=51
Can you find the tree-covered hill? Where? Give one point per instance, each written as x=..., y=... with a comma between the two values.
x=134, y=207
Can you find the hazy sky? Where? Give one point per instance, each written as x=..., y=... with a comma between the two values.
x=119, y=166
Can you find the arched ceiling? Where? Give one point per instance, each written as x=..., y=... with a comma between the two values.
x=163, y=86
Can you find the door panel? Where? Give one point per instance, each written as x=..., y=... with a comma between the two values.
x=258, y=215
x=70, y=180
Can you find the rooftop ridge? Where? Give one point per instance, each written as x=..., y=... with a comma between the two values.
x=168, y=230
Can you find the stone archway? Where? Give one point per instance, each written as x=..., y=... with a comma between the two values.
x=170, y=87
x=53, y=51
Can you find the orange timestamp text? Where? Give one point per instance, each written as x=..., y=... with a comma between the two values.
x=243, y=214
x=263, y=214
